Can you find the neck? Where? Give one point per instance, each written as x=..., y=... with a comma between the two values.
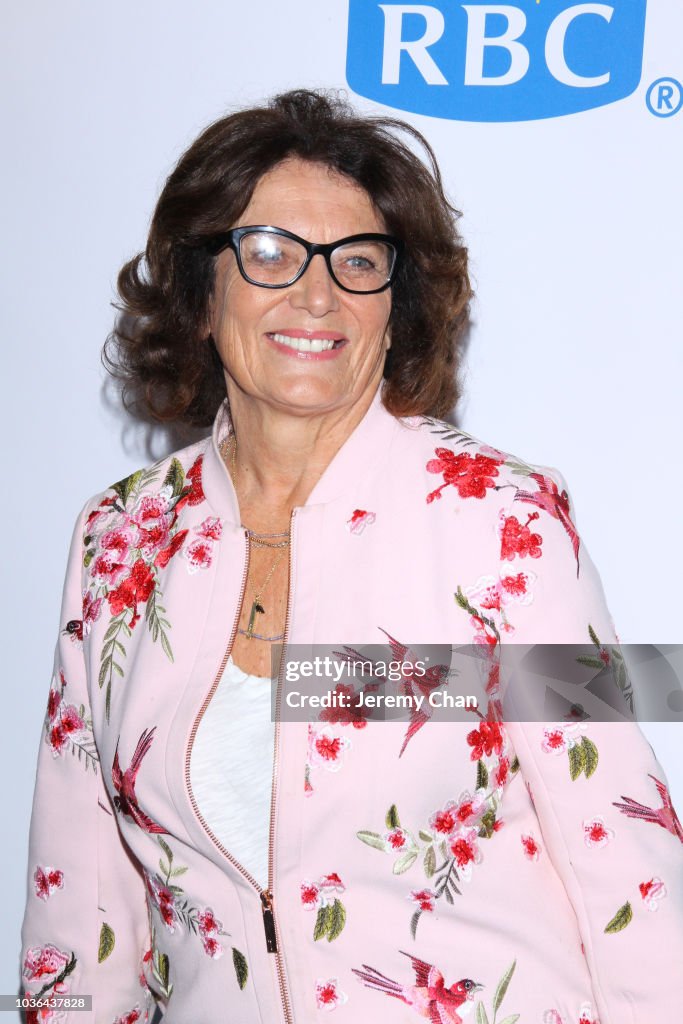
x=279, y=456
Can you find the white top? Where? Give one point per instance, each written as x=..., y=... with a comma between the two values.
x=231, y=767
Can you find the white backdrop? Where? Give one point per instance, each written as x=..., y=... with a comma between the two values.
x=574, y=225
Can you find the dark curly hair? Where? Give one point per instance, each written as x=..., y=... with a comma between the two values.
x=159, y=351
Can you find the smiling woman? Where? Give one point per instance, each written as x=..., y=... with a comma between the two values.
x=303, y=292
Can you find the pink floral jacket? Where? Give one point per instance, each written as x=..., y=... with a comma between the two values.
x=511, y=872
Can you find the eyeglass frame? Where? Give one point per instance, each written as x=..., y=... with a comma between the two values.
x=232, y=238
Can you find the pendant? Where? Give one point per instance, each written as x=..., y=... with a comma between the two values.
x=256, y=607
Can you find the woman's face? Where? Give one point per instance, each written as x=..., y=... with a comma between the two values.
x=250, y=325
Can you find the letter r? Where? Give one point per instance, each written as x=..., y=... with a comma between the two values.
x=417, y=49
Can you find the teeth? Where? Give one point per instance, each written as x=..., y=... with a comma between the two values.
x=305, y=344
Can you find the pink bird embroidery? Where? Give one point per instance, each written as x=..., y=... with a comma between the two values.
x=429, y=996
x=555, y=503
x=411, y=684
x=124, y=784
x=665, y=815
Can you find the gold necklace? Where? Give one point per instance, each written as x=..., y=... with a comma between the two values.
x=263, y=540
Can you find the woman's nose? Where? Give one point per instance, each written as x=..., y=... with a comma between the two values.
x=315, y=290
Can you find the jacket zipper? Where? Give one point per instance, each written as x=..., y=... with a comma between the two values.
x=265, y=895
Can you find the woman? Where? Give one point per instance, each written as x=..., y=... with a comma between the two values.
x=305, y=264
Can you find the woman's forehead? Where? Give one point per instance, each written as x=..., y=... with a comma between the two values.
x=312, y=194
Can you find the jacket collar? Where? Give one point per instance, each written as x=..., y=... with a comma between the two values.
x=358, y=457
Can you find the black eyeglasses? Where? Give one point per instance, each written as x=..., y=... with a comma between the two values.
x=271, y=257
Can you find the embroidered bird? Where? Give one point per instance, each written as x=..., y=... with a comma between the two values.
x=124, y=784
x=414, y=681
x=429, y=996
x=555, y=503
x=665, y=815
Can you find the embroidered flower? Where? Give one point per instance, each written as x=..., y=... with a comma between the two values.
x=211, y=528
x=132, y=1017
x=453, y=815
x=517, y=540
x=532, y=849
x=595, y=833
x=199, y=554
x=554, y=740
x=359, y=520
x=91, y=611
x=328, y=995
x=42, y=961
x=586, y=1014
x=163, y=899
x=486, y=740
x=423, y=898
x=47, y=879
x=652, y=892
x=325, y=748
x=471, y=475
x=465, y=848
x=397, y=839
x=332, y=883
x=310, y=896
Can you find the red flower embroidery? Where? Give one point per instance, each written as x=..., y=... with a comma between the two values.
x=47, y=879
x=470, y=475
x=423, y=898
x=531, y=848
x=518, y=540
x=487, y=739
x=134, y=590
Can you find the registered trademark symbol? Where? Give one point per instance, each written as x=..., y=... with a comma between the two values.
x=665, y=97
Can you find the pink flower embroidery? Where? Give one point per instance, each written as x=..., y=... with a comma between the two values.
x=199, y=554
x=211, y=528
x=332, y=883
x=586, y=1014
x=532, y=849
x=310, y=896
x=595, y=833
x=132, y=1017
x=652, y=892
x=47, y=879
x=486, y=740
x=359, y=520
x=554, y=741
x=395, y=840
x=453, y=815
x=42, y=961
x=465, y=848
x=326, y=748
x=328, y=995
x=164, y=900
x=423, y=898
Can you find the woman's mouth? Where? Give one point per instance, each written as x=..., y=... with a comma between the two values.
x=308, y=341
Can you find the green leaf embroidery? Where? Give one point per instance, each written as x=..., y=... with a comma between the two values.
x=623, y=916
x=482, y=1016
x=590, y=662
x=511, y=1019
x=321, y=922
x=430, y=862
x=337, y=920
x=125, y=487
x=392, y=818
x=404, y=862
x=591, y=755
x=106, y=942
x=371, y=839
x=593, y=635
x=241, y=969
x=175, y=477
x=425, y=836
x=577, y=761
x=482, y=775
x=503, y=987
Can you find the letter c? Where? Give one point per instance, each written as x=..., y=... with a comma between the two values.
x=554, y=46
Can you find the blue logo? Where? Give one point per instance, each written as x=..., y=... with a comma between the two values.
x=480, y=61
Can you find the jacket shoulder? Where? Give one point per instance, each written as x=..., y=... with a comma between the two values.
x=452, y=450
x=169, y=476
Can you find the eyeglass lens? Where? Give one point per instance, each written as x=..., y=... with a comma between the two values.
x=273, y=259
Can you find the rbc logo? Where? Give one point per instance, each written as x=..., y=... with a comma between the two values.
x=495, y=62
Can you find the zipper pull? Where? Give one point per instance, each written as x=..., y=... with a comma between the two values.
x=269, y=920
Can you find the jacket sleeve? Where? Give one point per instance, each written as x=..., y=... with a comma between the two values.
x=600, y=795
x=85, y=929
